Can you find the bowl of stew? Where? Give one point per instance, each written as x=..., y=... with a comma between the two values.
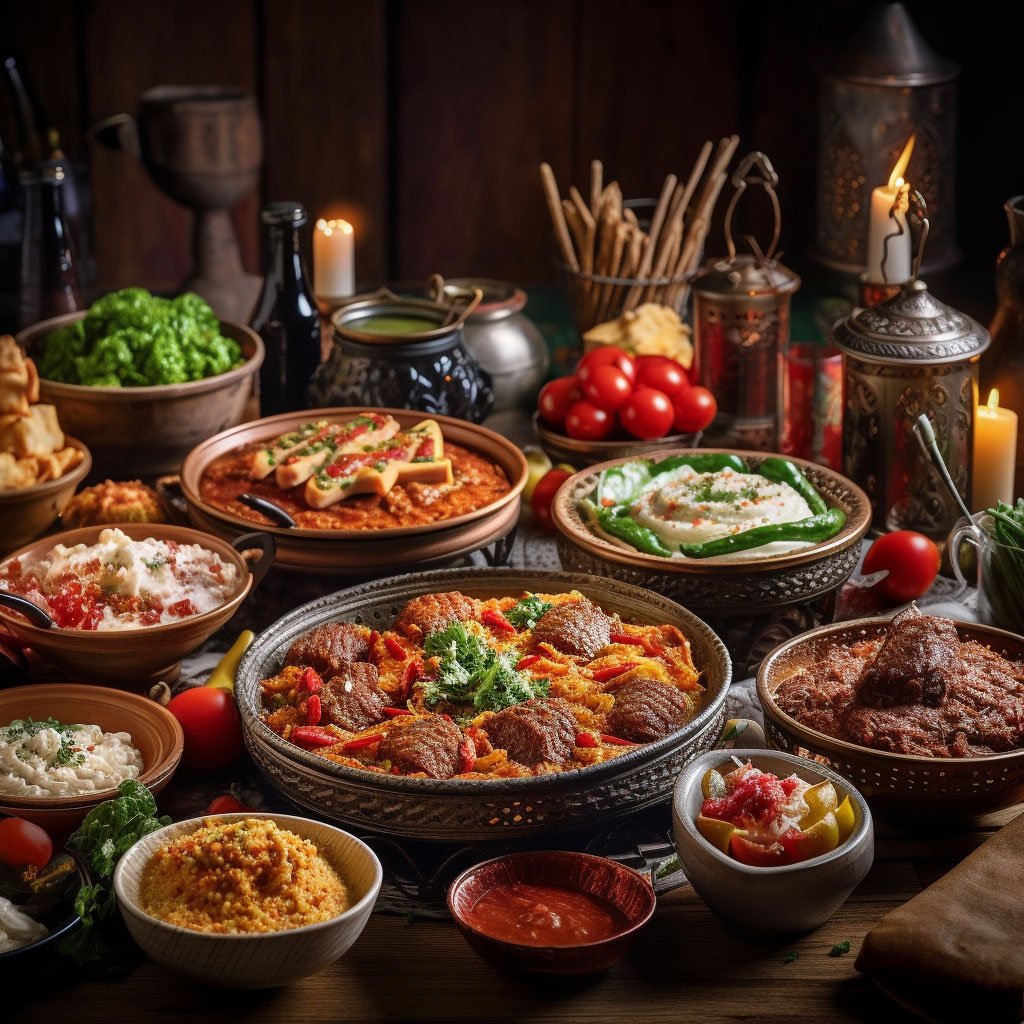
x=551, y=912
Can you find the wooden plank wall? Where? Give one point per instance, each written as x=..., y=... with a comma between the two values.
x=423, y=122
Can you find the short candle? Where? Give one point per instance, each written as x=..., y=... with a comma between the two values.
x=995, y=454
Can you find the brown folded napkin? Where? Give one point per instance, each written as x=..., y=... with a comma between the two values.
x=955, y=952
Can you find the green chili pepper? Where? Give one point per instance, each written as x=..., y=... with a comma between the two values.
x=631, y=532
x=782, y=471
x=619, y=485
x=700, y=464
x=814, y=528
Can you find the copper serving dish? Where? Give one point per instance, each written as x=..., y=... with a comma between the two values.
x=463, y=810
x=897, y=786
x=365, y=552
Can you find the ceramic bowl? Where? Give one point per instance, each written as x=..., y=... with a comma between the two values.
x=25, y=513
x=778, y=900
x=262, y=960
x=133, y=657
x=621, y=886
x=172, y=418
x=562, y=448
x=153, y=729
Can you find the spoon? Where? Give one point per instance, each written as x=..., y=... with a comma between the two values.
x=926, y=435
x=36, y=615
x=267, y=508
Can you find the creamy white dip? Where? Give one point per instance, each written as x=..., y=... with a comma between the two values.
x=50, y=759
x=17, y=929
x=687, y=507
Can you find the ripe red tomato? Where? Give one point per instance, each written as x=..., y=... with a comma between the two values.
x=212, y=727
x=226, y=804
x=555, y=398
x=23, y=844
x=588, y=422
x=661, y=373
x=647, y=414
x=911, y=559
x=607, y=387
x=695, y=409
x=544, y=494
x=607, y=355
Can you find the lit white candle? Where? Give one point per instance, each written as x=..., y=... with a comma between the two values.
x=333, y=259
x=995, y=454
x=886, y=221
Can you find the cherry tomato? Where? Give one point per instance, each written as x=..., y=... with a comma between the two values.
x=212, y=727
x=607, y=355
x=607, y=387
x=661, y=373
x=695, y=409
x=912, y=561
x=588, y=422
x=226, y=804
x=758, y=855
x=555, y=398
x=544, y=494
x=647, y=414
x=23, y=844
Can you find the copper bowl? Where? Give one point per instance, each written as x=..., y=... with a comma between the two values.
x=464, y=810
x=148, y=430
x=619, y=885
x=153, y=729
x=134, y=657
x=937, y=790
x=364, y=552
x=26, y=512
x=562, y=448
x=720, y=585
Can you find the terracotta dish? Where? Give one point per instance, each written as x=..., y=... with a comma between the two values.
x=172, y=418
x=155, y=732
x=935, y=790
x=562, y=448
x=133, y=657
x=364, y=552
x=629, y=893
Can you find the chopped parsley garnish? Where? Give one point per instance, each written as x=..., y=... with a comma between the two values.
x=153, y=564
x=67, y=754
x=527, y=612
x=840, y=948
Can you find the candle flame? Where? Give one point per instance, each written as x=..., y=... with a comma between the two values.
x=328, y=227
x=993, y=398
x=896, y=178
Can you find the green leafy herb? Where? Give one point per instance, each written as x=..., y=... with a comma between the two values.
x=668, y=867
x=67, y=754
x=840, y=948
x=791, y=956
x=153, y=564
x=528, y=611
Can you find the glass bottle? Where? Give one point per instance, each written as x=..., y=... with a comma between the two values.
x=49, y=280
x=286, y=316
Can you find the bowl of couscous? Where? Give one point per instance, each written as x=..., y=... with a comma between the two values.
x=247, y=900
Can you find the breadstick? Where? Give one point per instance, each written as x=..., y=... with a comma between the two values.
x=596, y=179
x=656, y=222
x=547, y=177
x=619, y=256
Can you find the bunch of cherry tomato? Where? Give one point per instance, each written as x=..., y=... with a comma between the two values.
x=613, y=392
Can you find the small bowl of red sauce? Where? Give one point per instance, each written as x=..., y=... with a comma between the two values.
x=551, y=912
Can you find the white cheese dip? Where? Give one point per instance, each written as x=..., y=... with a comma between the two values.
x=687, y=507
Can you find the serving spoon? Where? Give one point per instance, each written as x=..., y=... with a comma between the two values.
x=926, y=435
x=273, y=512
x=36, y=615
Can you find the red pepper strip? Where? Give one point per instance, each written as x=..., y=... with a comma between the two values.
x=530, y=659
x=362, y=743
x=497, y=620
x=314, y=710
x=627, y=638
x=409, y=676
x=586, y=739
x=395, y=647
x=602, y=675
x=394, y=712
x=374, y=637
x=616, y=741
x=467, y=756
x=313, y=736
x=312, y=682
x=653, y=648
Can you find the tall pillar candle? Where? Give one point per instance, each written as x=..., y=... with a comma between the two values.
x=888, y=253
x=333, y=259
x=995, y=455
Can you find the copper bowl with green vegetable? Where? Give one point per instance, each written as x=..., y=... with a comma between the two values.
x=161, y=376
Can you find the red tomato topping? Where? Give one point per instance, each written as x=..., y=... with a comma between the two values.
x=757, y=797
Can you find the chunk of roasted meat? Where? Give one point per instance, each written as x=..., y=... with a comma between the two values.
x=578, y=628
x=432, y=612
x=913, y=665
x=535, y=731
x=330, y=648
x=352, y=699
x=428, y=745
x=646, y=710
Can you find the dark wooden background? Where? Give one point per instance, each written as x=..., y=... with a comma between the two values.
x=423, y=121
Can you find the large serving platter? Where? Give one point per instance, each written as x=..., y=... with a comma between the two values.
x=463, y=810
x=365, y=552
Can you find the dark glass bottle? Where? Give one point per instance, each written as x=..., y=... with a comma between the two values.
x=49, y=281
x=286, y=316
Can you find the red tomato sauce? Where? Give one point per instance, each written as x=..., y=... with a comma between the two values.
x=545, y=915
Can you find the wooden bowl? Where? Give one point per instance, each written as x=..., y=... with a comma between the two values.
x=562, y=448
x=133, y=657
x=365, y=552
x=153, y=729
x=25, y=513
x=621, y=886
x=148, y=430
x=934, y=790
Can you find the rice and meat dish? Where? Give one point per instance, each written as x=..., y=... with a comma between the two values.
x=919, y=689
x=498, y=688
